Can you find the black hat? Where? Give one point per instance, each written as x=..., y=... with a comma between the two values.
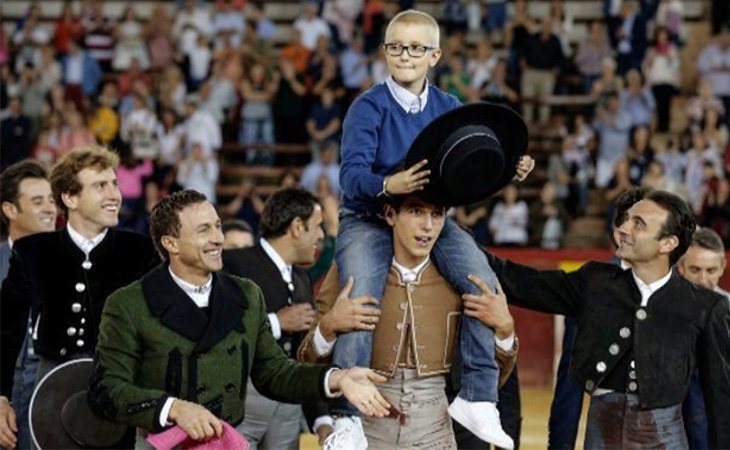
x=60, y=416
x=472, y=152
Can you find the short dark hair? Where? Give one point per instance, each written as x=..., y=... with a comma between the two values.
x=397, y=201
x=282, y=208
x=236, y=225
x=680, y=221
x=11, y=178
x=708, y=239
x=625, y=201
x=165, y=216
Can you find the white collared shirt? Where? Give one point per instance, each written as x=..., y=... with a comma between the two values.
x=285, y=270
x=86, y=245
x=410, y=275
x=648, y=289
x=10, y=243
x=410, y=102
x=199, y=294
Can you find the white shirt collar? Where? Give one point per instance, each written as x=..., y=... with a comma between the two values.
x=624, y=264
x=10, y=243
x=410, y=275
x=648, y=289
x=86, y=245
x=199, y=294
x=283, y=267
x=410, y=102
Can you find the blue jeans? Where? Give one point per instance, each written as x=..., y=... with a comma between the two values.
x=24, y=381
x=568, y=399
x=365, y=252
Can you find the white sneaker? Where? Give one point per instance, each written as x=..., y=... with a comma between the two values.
x=482, y=419
x=348, y=435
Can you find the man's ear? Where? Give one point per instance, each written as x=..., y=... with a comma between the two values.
x=71, y=201
x=667, y=244
x=389, y=212
x=169, y=243
x=10, y=210
x=295, y=227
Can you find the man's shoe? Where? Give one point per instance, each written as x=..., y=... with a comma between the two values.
x=348, y=435
x=482, y=419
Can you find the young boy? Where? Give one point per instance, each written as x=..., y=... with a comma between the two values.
x=377, y=133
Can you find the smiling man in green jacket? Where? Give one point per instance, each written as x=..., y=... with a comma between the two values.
x=178, y=346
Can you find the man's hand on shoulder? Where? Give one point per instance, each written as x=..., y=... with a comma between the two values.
x=295, y=318
x=490, y=308
x=349, y=314
x=8, y=426
x=195, y=420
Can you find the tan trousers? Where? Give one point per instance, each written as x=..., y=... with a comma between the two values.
x=538, y=84
x=425, y=422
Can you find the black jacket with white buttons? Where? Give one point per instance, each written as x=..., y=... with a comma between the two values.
x=683, y=326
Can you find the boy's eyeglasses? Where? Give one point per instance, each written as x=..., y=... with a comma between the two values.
x=414, y=51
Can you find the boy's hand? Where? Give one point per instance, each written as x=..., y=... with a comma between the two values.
x=409, y=180
x=524, y=167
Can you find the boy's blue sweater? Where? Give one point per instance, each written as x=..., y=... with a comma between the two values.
x=376, y=136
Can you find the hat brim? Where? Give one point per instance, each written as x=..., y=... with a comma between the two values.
x=510, y=130
x=60, y=396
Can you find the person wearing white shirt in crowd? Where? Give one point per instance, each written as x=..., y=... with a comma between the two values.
x=311, y=26
x=201, y=126
x=228, y=26
x=199, y=172
x=191, y=22
x=508, y=222
x=139, y=129
x=713, y=64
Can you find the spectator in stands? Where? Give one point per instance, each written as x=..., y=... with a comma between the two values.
x=237, y=234
x=199, y=58
x=321, y=56
x=713, y=196
x=67, y=28
x=341, y=15
x=324, y=123
x=200, y=126
x=519, y=28
x=81, y=73
x=637, y=100
x=98, y=33
x=171, y=89
x=656, y=179
x=607, y=84
x=311, y=26
x=130, y=178
x=15, y=134
x=454, y=17
x=52, y=73
x=29, y=36
x=481, y=64
x=509, y=219
x=631, y=34
x=75, y=133
x=33, y=96
x=639, y=154
x=577, y=161
x=661, y=67
x=497, y=90
x=456, y=80
x=669, y=15
x=159, y=38
x=590, y=55
x=247, y=205
x=191, y=22
x=674, y=162
x=562, y=25
x=713, y=64
x=228, y=26
x=715, y=132
x=257, y=124
x=372, y=21
x=199, y=171
x=354, y=70
x=620, y=183
x=169, y=135
x=262, y=24
x=493, y=17
x=130, y=42
x=705, y=100
x=138, y=129
x=288, y=104
x=612, y=125
x=326, y=165
x=540, y=65
x=103, y=121
x=134, y=74
x=548, y=219
x=697, y=155
x=295, y=52
x=473, y=217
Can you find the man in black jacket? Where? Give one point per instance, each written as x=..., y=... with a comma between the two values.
x=290, y=228
x=64, y=277
x=640, y=332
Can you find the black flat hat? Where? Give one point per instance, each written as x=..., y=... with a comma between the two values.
x=472, y=152
x=60, y=416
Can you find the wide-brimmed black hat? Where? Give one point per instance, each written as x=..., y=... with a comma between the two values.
x=60, y=416
x=472, y=152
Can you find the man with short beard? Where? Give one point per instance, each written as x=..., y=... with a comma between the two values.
x=64, y=277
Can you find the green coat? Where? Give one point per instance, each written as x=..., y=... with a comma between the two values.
x=154, y=342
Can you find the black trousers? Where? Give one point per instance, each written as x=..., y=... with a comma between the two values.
x=663, y=94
